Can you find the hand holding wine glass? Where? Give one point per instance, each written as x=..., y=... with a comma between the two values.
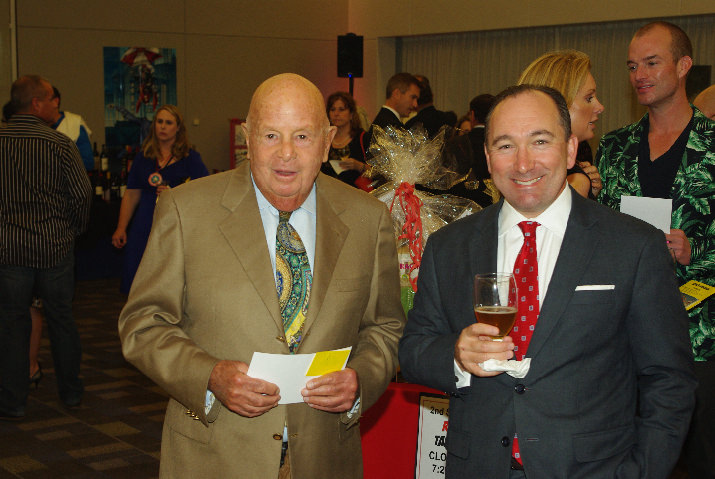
x=495, y=301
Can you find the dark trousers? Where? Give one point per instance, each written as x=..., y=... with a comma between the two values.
x=700, y=444
x=56, y=288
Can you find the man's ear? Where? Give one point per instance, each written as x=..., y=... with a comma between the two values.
x=571, y=151
x=684, y=65
x=246, y=136
x=35, y=105
x=489, y=163
x=332, y=130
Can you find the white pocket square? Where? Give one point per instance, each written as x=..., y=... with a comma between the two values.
x=595, y=287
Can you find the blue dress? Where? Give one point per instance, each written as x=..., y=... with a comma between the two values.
x=188, y=168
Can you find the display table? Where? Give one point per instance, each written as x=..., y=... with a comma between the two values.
x=389, y=432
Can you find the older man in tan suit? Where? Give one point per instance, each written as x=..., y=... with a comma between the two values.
x=205, y=299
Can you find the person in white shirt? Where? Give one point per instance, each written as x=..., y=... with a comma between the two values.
x=609, y=387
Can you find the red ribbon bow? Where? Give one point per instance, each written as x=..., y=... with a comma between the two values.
x=412, y=228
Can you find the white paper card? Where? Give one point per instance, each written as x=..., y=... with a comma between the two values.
x=655, y=211
x=287, y=371
x=336, y=166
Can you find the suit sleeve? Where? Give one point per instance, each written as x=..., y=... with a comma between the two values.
x=657, y=326
x=151, y=323
x=375, y=357
x=427, y=346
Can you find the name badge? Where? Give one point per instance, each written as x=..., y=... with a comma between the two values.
x=155, y=179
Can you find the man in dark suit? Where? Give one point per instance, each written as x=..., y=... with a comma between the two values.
x=213, y=288
x=401, y=95
x=608, y=386
x=427, y=115
x=467, y=152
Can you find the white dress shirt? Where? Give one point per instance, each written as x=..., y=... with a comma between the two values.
x=302, y=220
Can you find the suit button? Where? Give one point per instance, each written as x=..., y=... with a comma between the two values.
x=505, y=441
x=520, y=389
x=278, y=437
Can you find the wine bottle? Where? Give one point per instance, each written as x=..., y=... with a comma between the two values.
x=114, y=185
x=98, y=186
x=107, y=187
x=122, y=183
x=104, y=160
x=95, y=153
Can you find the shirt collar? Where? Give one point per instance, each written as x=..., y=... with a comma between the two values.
x=26, y=118
x=397, y=115
x=309, y=205
x=554, y=218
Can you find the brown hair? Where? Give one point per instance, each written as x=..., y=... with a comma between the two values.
x=402, y=82
x=25, y=89
x=180, y=148
x=680, y=45
x=350, y=104
x=515, y=90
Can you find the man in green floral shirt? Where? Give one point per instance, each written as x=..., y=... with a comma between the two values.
x=669, y=154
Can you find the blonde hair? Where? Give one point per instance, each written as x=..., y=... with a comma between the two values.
x=180, y=148
x=565, y=71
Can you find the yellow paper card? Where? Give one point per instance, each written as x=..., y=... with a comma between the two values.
x=694, y=293
x=326, y=362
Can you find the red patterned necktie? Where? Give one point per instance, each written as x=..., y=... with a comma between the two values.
x=526, y=273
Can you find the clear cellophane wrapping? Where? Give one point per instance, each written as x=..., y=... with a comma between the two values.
x=405, y=158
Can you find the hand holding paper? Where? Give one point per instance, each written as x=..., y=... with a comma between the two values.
x=244, y=395
x=679, y=244
x=333, y=392
x=291, y=372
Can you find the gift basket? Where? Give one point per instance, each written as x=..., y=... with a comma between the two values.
x=405, y=158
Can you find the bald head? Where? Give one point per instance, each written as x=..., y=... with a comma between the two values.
x=705, y=102
x=288, y=137
x=274, y=92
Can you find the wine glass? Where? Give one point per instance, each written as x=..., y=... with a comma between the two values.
x=495, y=301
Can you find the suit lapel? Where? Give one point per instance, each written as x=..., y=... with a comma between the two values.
x=577, y=247
x=330, y=237
x=250, y=248
x=483, y=247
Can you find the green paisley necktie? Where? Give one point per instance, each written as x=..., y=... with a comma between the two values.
x=293, y=280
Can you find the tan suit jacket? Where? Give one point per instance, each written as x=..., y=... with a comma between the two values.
x=205, y=291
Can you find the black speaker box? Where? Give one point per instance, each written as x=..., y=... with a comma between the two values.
x=350, y=56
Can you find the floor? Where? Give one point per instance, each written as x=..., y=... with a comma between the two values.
x=117, y=431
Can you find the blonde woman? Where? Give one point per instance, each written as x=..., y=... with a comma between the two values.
x=569, y=72
x=165, y=161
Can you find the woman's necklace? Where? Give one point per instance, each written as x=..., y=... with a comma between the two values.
x=341, y=142
x=164, y=161
x=155, y=179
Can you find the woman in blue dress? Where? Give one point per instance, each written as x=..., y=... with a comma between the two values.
x=165, y=161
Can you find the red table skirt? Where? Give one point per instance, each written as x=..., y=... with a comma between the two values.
x=389, y=432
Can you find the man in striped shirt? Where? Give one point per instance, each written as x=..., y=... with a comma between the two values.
x=45, y=196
